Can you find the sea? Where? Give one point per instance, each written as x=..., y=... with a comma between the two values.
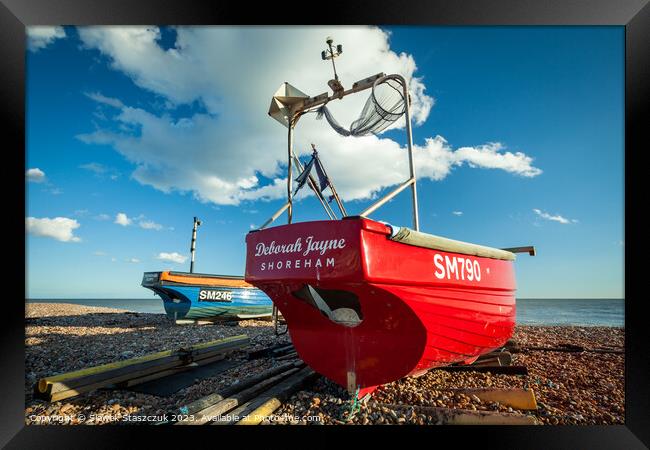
x=530, y=311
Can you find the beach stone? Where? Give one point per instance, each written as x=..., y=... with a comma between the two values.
x=65, y=408
x=594, y=382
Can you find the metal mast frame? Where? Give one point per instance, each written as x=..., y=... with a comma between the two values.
x=308, y=104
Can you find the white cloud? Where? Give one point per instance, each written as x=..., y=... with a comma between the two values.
x=556, y=218
x=59, y=228
x=489, y=156
x=100, y=170
x=35, y=175
x=39, y=37
x=172, y=257
x=94, y=167
x=122, y=219
x=457, y=213
x=132, y=260
x=99, y=98
x=102, y=217
x=150, y=225
x=230, y=147
x=99, y=253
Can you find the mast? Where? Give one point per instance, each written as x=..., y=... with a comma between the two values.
x=197, y=223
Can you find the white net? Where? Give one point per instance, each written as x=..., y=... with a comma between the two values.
x=384, y=106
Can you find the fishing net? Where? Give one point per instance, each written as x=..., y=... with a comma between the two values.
x=384, y=106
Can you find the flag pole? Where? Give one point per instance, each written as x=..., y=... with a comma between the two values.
x=331, y=184
x=289, y=170
x=313, y=186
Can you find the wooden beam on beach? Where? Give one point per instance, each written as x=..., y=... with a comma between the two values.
x=287, y=356
x=494, y=361
x=273, y=398
x=504, y=358
x=504, y=370
x=205, y=402
x=225, y=405
x=516, y=398
x=270, y=351
x=172, y=371
x=74, y=383
x=449, y=416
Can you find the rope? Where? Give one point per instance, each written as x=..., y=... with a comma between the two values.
x=355, y=406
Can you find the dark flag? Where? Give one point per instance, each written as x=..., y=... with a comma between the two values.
x=304, y=175
x=322, y=178
x=329, y=200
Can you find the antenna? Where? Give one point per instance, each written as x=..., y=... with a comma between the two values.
x=334, y=84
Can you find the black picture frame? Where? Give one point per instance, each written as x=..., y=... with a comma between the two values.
x=634, y=15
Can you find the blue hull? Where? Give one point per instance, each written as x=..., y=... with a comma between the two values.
x=189, y=301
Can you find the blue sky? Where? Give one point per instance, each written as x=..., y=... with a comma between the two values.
x=519, y=135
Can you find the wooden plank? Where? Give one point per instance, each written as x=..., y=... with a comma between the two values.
x=74, y=391
x=45, y=383
x=523, y=399
x=504, y=370
x=287, y=356
x=487, y=362
x=209, y=359
x=205, y=402
x=282, y=349
x=274, y=351
x=211, y=412
x=84, y=380
x=447, y=416
x=505, y=358
x=232, y=417
x=172, y=371
x=153, y=376
x=152, y=356
x=273, y=398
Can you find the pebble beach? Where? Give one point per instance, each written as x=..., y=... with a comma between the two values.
x=571, y=388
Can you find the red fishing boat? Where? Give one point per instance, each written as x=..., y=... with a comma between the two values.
x=365, y=302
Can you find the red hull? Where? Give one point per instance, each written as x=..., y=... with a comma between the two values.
x=412, y=318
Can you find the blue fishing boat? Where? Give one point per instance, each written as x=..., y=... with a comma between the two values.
x=198, y=296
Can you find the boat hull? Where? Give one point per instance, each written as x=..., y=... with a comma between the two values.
x=406, y=318
x=195, y=296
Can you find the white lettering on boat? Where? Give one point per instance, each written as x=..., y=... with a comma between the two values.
x=215, y=295
x=308, y=249
x=313, y=246
x=451, y=268
x=297, y=264
x=457, y=267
